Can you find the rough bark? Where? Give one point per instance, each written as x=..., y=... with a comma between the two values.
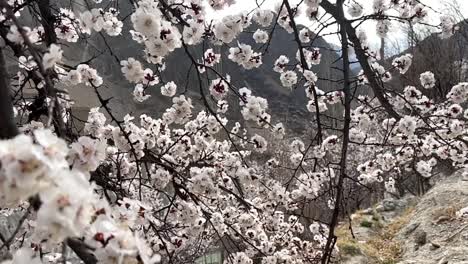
x=47, y=21
x=8, y=127
x=344, y=149
x=82, y=251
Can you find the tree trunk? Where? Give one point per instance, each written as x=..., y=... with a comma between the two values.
x=8, y=127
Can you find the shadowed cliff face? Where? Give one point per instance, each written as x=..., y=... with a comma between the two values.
x=287, y=106
x=440, y=56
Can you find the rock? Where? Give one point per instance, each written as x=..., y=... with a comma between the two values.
x=410, y=228
x=5, y=254
x=464, y=177
x=434, y=246
x=408, y=200
x=9, y=223
x=389, y=205
x=420, y=237
x=464, y=235
x=379, y=208
x=356, y=260
x=443, y=261
x=368, y=211
x=412, y=261
x=442, y=218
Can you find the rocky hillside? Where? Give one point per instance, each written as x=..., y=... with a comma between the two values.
x=410, y=230
x=446, y=58
x=287, y=106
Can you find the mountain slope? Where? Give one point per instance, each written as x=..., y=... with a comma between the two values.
x=285, y=105
x=411, y=230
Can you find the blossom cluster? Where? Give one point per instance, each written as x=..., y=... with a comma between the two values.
x=148, y=189
x=42, y=167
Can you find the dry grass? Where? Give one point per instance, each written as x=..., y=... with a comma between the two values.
x=381, y=248
x=398, y=223
x=346, y=243
x=446, y=213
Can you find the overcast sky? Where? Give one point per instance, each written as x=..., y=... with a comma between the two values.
x=395, y=36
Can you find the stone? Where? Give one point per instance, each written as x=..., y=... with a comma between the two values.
x=379, y=208
x=9, y=223
x=410, y=228
x=5, y=254
x=464, y=177
x=389, y=205
x=356, y=260
x=442, y=218
x=420, y=237
x=434, y=246
x=408, y=200
x=443, y=261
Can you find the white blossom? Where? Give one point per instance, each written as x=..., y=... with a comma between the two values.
x=53, y=56
x=260, y=36
x=427, y=79
x=169, y=89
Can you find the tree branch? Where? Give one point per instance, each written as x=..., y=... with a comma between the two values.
x=361, y=56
